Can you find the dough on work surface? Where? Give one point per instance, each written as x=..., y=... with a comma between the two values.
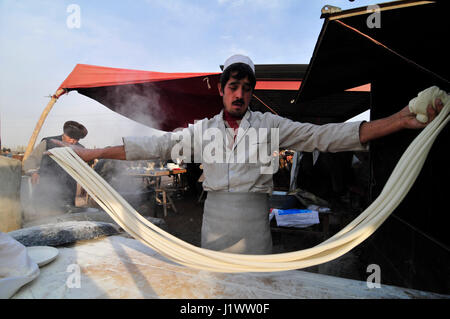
x=419, y=104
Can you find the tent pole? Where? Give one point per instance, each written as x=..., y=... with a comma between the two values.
x=39, y=124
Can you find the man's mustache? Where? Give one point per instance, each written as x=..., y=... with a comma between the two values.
x=238, y=102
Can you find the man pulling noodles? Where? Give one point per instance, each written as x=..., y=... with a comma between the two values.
x=236, y=210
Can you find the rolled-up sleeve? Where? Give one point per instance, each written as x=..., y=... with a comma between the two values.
x=142, y=147
x=333, y=137
x=154, y=147
x=33, y=162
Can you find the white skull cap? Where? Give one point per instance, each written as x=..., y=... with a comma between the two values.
x=239, y=58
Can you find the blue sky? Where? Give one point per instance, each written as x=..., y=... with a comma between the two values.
x=38, y=50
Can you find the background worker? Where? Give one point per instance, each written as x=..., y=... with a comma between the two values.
x=235, y=217
x=6, y=152
x=53, y=188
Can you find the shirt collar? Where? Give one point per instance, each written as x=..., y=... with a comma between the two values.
x=246, y=117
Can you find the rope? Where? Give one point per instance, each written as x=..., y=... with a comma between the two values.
x=394, y=52
x=442, y=245
x=396, y=188
x=265, y=104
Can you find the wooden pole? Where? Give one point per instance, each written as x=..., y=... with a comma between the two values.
x=39, y=124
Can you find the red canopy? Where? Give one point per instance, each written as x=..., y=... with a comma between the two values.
x=89, y=76
x=160, y=100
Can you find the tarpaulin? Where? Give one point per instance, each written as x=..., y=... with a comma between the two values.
x=164, y=101
x=160, y=100
x=167, y=101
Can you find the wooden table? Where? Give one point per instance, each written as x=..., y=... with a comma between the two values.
x=156, y=174
x=159, y=172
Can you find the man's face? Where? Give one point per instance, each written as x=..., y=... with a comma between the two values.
x=69, y=140
x=236, y=95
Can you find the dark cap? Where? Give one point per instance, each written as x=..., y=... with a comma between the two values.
x=75, y=130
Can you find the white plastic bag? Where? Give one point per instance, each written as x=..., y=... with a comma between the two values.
x=299, y=218
x=16, y=267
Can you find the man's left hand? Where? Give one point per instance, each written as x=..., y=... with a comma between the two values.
x=409, y=118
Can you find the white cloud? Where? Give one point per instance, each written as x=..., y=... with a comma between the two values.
x=232, y=3
x=185, y=10
x=261, y=4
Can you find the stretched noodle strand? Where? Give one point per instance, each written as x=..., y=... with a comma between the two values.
x=396, y=188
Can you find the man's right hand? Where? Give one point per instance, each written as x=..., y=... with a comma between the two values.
x=35, y=179
x=87, y=155
x=84, y=153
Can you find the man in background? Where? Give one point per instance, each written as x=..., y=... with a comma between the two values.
x=53, y=188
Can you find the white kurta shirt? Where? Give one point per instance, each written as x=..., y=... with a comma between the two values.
x=241, y=173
